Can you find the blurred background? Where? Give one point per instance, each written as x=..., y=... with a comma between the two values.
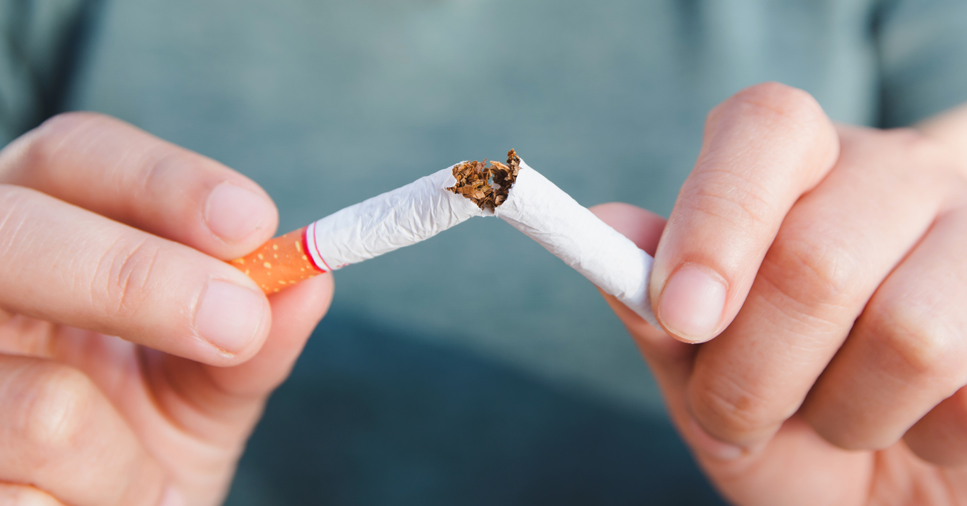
x=396, y=400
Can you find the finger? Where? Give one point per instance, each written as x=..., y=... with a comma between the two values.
x=232, y=397
x=24, y=495
x=116, y=170
x=950, y=128
x=763, y=149
x=836, y=245
x=644, y=229
x=73, y=267
x=941, y=436
x=669, y=359
x=906, y=353
x=298, y=311
x=61, y=435
x=740, y=476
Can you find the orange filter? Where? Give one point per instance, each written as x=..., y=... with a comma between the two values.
x=279, y=263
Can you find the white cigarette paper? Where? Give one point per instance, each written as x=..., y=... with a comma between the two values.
x=534, y=205
x=398, y=218
x=547, y=214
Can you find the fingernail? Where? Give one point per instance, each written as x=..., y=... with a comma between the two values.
x=172, y=498
x=692, y=302
x=233, y=213
x=710, y=446
x=229, y=315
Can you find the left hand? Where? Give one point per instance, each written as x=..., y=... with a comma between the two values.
x=824, y=269
x=134, y=362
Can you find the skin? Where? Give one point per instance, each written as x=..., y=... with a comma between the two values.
x=107, y=231
x=824, y=369
x=809, y=283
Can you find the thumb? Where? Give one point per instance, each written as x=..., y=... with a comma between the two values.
x=763, y=149
x=641, y=226
x=232, y=398
x=644, y=228
x=670, y=360
x=786, y=467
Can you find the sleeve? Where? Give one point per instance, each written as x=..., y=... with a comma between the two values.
x=39, y=41
x=923, y=58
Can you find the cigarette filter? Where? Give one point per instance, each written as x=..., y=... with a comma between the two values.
x=280, y=262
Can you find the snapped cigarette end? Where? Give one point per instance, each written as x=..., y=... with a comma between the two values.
x=529, y=202
x=486, y=185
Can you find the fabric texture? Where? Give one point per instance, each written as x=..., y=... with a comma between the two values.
x=38, y=50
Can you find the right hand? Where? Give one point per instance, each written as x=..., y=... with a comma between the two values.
x=107, y=231
x=822, y=270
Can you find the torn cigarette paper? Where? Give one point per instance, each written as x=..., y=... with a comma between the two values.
x=398, y=218
x=547, y=214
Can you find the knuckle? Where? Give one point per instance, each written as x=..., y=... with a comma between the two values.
x=45, y=142
x=919, y=343
x=903, y=158
x=176, y=175
x=776, y=103
x=42, y=145
x=811, y=273
x=165, y=163
x=120, y=281
x=156, y=166
x=58, y=399
x=733, y=410
x=909, y=140
x=919, y=149
x=730, y=198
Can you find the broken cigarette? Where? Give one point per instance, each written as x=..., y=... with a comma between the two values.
x=513, y=192
x=532, y=204
x=398, y=218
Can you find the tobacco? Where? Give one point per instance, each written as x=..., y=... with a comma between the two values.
x=486, y=185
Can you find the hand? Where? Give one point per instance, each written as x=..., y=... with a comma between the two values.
x=107, y=231
x=824, y=271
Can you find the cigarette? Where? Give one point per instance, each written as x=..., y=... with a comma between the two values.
x=514, y=192
x=395, y=219
x=532, y=204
